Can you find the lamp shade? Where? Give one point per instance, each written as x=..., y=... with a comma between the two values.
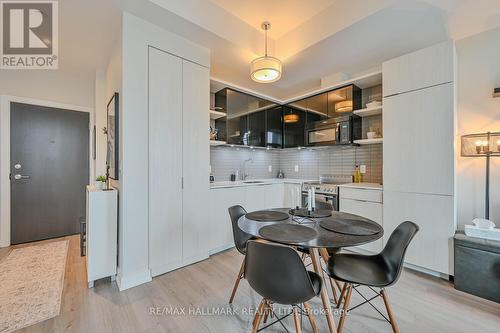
x=265, y=69
x=481, y=144
x=343, y=106
x=291, y=118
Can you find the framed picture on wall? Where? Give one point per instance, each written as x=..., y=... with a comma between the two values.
x=112, y=156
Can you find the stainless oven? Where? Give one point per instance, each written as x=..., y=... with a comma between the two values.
x=333, y=131
x=323, y=201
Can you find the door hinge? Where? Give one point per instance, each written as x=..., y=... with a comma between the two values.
x=182, y=182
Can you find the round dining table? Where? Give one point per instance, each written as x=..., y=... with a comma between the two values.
x=317, y=239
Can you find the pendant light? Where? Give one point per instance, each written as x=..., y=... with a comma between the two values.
x=265, y=69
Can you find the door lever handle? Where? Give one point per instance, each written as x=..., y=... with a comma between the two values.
x=19, y=177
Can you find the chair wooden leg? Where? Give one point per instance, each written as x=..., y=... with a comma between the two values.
x=334, y=291
x=237, y=283
x=258, y=316
x=342, y=295
x=296, y=319
x=267, y=311
x=345, y=308
x=395, y=327
x=309, y=313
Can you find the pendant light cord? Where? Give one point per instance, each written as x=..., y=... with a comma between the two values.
x=266, y=41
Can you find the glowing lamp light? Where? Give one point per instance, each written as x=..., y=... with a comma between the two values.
x=265, y=69
x=343, y=106
x=291, y=118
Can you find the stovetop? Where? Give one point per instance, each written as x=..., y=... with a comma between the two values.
x=328, y=184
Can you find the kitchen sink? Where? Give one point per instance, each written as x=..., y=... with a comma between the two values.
x=253, y=182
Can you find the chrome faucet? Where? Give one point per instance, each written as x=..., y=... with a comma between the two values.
x=244, y=175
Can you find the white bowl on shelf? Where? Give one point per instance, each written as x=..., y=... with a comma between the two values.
x=371, y=135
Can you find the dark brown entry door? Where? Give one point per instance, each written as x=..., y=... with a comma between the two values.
x=49, y=169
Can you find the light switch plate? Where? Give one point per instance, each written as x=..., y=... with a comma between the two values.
x=270, y=168
x=296, y=168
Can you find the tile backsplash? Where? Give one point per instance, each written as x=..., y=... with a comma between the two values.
x=226, y=160
x=311, y=163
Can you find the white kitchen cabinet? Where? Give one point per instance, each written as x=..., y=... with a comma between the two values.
x=366, y=203
x=219, y=222
x=424, y=68
x=418, y=121
x=419, y=141
x=178, y=161
x=252, y=198
x=292, y=195
x=255, y=197
x=274, y=195
x=433, y=245
x=195, y=161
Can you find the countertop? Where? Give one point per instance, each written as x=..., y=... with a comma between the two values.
x=257, y=182
x=370, y=186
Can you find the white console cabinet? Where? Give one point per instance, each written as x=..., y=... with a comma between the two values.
x=101, y=234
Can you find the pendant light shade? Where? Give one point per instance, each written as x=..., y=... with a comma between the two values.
x=291, y=118
x=343, y=106
x=266, y=69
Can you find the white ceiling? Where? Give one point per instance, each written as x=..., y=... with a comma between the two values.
x=87, y=30
x=313, y=38
x=284, y=15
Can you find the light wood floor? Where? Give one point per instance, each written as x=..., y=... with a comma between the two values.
x=420, y=303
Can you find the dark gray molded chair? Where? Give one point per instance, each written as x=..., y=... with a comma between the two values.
x=240, y=241
x=277, y=273
x=376, y=271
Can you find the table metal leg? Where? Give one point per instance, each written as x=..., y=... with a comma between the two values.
x=324, y=295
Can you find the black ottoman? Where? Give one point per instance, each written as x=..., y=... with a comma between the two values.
x=477, y=266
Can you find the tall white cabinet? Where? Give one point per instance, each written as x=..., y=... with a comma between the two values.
x=178, y=161
x=418, y=122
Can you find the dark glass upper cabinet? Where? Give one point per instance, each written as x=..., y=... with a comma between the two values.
x=246, y=118
x=274, y=127
x=343, y=101
x=257, y=129
x=294, y=125
x=317, y=107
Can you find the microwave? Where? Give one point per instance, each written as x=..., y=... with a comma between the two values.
x=334, y=131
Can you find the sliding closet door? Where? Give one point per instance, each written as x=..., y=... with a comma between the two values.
x=196, y=102
x=165, y=162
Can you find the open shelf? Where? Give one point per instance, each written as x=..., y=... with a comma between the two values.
x=217, y=143
x=217, y=114
x=374, y=111
x=369, y=141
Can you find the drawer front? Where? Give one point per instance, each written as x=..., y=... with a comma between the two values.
x=370, y=210
x=361, y=194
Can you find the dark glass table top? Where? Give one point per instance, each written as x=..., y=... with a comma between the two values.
x=324, y=238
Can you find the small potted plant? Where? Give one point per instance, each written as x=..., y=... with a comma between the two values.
x=100, y=181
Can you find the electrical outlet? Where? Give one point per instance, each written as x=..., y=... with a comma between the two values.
x=270, y=168
x=362, y=168
x=296, y=168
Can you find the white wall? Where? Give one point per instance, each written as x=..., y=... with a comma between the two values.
x=133, y=198
x=62, y=86
x=478, y=73
x=108, y=81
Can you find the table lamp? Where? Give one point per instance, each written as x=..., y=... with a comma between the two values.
x=482, y=145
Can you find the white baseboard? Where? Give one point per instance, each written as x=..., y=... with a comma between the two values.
x=173, y=265
x=125, y=282
x=220, y=249
x=427, y=271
